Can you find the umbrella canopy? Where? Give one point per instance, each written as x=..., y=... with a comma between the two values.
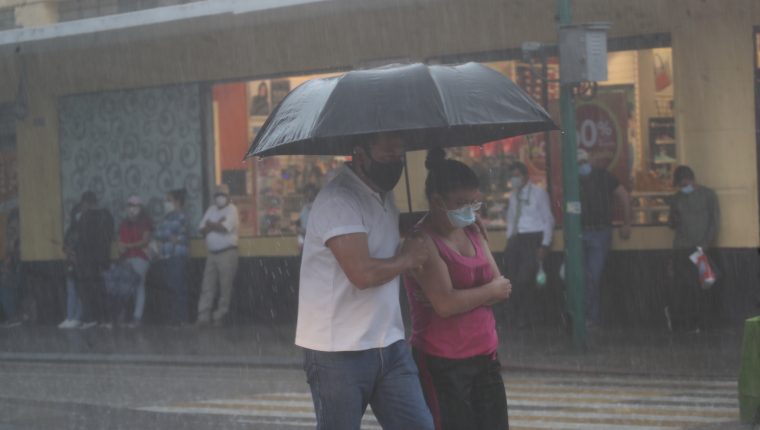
x=468, y=104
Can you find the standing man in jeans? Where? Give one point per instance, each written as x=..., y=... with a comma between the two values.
x=220, y=228
x=599, y=189
x=349, y=316
x=695, y=217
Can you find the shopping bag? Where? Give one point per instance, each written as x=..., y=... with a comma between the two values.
x=706, y=272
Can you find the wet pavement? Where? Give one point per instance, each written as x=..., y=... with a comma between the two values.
x=714, y=353
x=250, y=377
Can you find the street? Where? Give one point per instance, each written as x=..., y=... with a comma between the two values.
x=126, y=396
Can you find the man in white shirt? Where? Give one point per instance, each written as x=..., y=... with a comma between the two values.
x=220, y=228
x=349, y=316
x=530, y=227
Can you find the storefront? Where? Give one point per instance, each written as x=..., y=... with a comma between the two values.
x=678, y=83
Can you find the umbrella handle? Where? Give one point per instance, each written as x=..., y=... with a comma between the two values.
x=408, y=186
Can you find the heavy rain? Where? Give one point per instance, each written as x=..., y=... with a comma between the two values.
x=380, y=214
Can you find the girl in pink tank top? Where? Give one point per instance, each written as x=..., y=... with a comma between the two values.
x=453, y=329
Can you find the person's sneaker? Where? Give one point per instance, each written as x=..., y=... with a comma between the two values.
x=67, y=324
x=107, y=325
x=133, y=324
x=12, y=323
x=86, y=325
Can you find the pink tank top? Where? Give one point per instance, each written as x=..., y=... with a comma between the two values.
x=460, y=336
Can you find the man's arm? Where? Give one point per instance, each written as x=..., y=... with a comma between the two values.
x=624, y=199
x=547, y=221
x=352, y=252
x=713, y=206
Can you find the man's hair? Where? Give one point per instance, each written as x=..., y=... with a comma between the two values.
x=446, y=175
x=681, y=173
x=179, y=195
x=517, y=165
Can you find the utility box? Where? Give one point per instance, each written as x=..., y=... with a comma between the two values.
x=583, y=52
x=749, y=374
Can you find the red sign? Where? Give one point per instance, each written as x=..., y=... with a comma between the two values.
x=602, y=130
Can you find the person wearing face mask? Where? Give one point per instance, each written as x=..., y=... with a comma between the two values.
x=134, y=236
x=599, y=191
x=173, y=250
x=220, y=228
x=695, y=217
x=92, y=252
x=530, y=228
x=453, y=327
x=349, y=316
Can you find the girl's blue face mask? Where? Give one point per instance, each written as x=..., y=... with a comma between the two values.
x=687, y=189
x=464, y=216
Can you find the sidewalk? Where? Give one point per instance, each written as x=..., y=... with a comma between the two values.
x=714, y=354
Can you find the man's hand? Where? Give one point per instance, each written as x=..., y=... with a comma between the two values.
x=414, y=251
x=542, y=252
x=625, y=232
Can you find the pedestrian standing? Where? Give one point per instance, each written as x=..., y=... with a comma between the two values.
x=530, y=229
x=220, y=228
x=95, y=231
x=172, y=242
x=73, y=304
x=695, y=217
x=12, y=292
x=349, y=317
x=599, y=190
x=134, y=237
x=453, y=327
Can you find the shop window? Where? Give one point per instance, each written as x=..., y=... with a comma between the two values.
x=270, y=193
x=626, y=124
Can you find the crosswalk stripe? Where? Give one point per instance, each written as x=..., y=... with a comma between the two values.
x=535, y=403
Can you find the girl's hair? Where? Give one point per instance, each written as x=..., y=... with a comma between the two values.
x=179, y=195
x=446, y=175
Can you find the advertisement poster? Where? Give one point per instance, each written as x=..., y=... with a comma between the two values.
x=602, y=130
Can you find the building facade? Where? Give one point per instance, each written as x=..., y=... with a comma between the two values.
x=123, y=98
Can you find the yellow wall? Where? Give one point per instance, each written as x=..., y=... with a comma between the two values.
x=713, y=77
x=712, y=43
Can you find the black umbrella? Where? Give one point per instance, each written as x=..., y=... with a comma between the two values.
x=467, y=104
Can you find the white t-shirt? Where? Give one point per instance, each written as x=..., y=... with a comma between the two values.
x=216, y=241
x=334, y=315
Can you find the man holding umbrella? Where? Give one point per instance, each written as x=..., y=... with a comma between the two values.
x=349, y=317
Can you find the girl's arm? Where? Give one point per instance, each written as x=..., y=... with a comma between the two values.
x=448, y=301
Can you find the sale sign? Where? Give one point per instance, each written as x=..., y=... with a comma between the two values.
x=602, y=130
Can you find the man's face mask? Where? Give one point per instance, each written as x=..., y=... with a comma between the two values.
x=221, y=201
x=384, y=175
x=584, y=169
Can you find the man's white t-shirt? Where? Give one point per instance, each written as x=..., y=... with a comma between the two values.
x=216, y=241
x=334, y=315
